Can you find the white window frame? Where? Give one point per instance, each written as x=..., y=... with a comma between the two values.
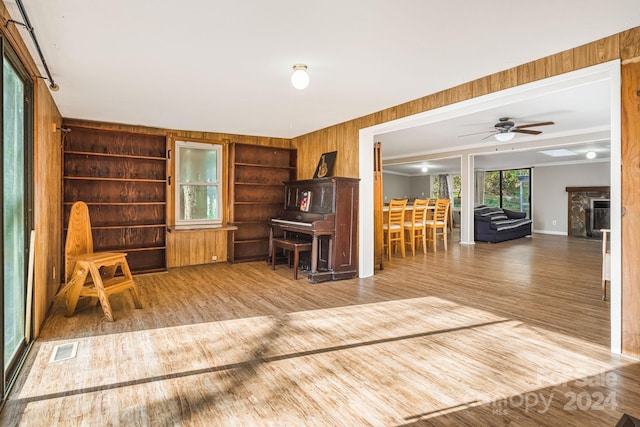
x=178, y=199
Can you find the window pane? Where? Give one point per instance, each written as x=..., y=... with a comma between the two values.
x=515, y=190
x=13, y=213
x=457, y=189
x=436, y=187
x=198, y=202
x=508, y=189
x=492, y=188
x=198, y=165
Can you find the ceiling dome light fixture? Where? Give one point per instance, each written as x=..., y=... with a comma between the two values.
x=591, y=155
x=300, y=78
x=504, y=136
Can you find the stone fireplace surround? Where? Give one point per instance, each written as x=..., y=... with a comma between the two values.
x=579, y=200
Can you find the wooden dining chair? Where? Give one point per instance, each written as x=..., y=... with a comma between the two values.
x=437, y=227
x=414, y=229
x=92, y=274
x=394, y=227
x=431, y=206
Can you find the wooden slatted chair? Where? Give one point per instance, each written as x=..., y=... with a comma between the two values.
x=414, y=229
x=394, y=227
x=92, y=274
x=431, y=206
x=437, y=227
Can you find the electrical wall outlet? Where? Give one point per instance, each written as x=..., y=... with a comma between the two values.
x=214, y=258
x=554, y=222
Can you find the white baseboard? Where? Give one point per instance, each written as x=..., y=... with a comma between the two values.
x=556, y=233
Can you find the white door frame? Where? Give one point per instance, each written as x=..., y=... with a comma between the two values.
x=607, y=71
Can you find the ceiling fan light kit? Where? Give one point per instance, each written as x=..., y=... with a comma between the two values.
x=504, y=136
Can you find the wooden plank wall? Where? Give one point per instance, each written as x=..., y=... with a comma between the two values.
x=624, y=46
x=192, y=247
x=631, y=208
x=48, y=203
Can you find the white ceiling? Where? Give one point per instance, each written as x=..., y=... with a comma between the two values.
x=208, y=65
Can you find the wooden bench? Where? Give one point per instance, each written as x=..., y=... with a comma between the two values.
x=291, y=245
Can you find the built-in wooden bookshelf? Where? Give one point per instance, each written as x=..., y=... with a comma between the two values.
x=256, y=193
x=122, y=178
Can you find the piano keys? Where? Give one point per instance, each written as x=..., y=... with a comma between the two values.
x=329, y=221
x=286, y=223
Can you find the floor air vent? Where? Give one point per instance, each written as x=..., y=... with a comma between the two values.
x=64, y=352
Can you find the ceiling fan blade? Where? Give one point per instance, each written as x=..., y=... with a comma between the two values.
x=476, y=133
x=530, y=132
x=535, y=124
x=489, y=136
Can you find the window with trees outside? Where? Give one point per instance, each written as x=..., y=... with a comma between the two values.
x=198, y=183
x=508, y=189
x=456, y=187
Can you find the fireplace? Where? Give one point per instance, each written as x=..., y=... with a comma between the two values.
x=598, y=214
x=588, y=211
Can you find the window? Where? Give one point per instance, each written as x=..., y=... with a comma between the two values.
x=508, y=189
x=198, y=183
x=456, y=187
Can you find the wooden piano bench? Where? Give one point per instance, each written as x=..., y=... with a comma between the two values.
x=295, y=246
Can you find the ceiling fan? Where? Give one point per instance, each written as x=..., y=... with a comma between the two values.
x=506, y=129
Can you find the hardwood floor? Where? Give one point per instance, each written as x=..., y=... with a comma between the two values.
x=513, y=333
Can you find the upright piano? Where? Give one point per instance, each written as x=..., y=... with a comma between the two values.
x=323, y=211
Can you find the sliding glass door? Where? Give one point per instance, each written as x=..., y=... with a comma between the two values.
x=16, y=206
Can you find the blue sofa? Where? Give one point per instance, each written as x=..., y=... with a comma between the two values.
x=494, y=225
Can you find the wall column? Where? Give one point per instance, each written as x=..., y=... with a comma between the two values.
x=466, y=211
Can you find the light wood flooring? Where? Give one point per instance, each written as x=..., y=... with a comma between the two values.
x=513, y=334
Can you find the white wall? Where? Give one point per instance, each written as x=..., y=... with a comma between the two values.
x=395, y=186
x=420, y=187
x=549, y=195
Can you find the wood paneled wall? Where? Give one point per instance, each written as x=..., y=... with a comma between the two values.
x=631, y=209
x=193, y=247
x=624, y=46
x=48, y=203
